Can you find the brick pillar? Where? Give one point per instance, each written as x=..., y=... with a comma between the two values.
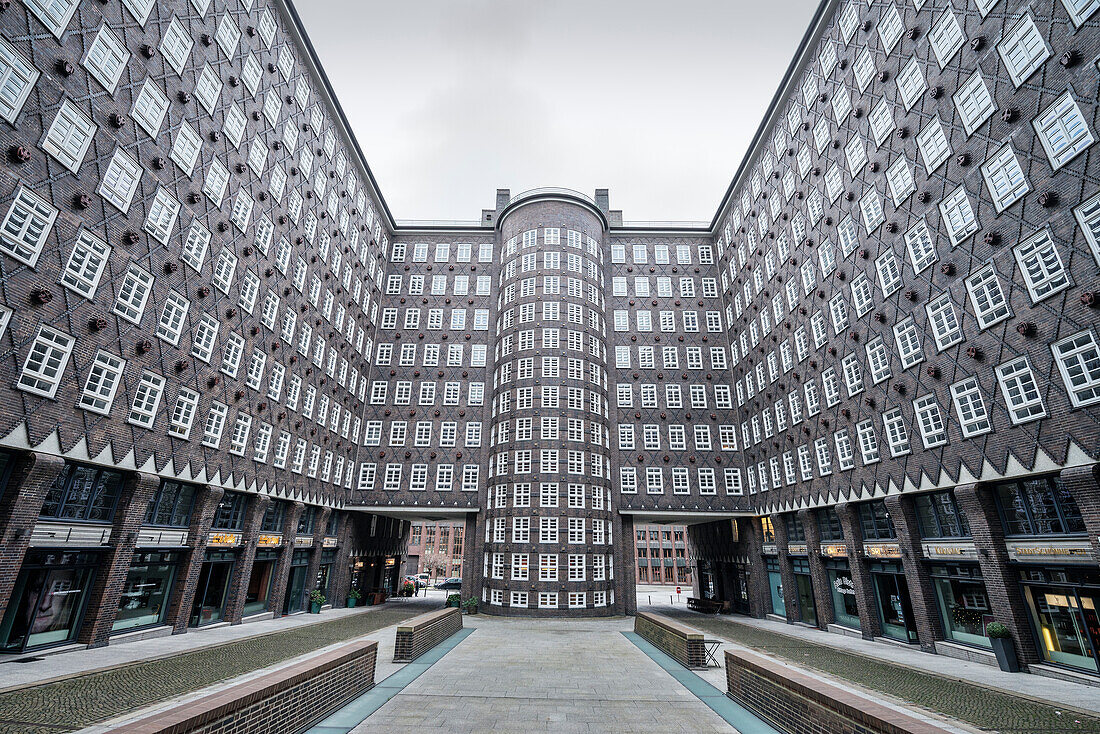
x=786, y=572
x=473, y=549
x=823, y=597
x=1084, y=483
x=246, y=558
x=286, y=553
x=861, y=578
x=340, y=577
x=133, y=502
x=903, y=514
x=751, y=537
x=183, y=595
x=1006, y=599
x=319, y=521
x=626, y=578
x=20, y=506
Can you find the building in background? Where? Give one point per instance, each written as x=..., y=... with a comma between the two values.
x=870, y=387
x=662, y=555
x=435, y=548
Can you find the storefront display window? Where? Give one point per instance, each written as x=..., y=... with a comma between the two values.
x=305, y=522
x=230, y=513
x=324, y=570
x=874, y=520
x=828, y=523
x=964, y=606
x=83, y=493
x=210, y=595
x=767, y=529
x=844, y=594
x=144, y=598
x=296, y=586
x=806, y=605
x=259, y=582
x=1063, y=608
x=795, y=532
x=48, y=599
x=274, y=517
x=895, y=608
x=1038, y=507
x=775, y=582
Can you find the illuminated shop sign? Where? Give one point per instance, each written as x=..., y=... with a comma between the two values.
x=882, y=550
x=223, y=539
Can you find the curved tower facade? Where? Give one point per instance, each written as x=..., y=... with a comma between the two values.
x=548, y=544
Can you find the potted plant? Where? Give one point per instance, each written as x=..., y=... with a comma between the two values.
x=470, y=605
x=316, y=600
x=1003, y=646
x=408, y=588
x=454, y=600
x=353, y=597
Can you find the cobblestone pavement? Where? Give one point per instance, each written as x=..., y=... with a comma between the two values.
x=78, y=702
x=978, y=706
x=526, y=675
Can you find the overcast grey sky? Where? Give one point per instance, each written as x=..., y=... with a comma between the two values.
x=656, y=100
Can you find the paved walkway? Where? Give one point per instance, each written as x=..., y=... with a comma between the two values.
x=973, y=693
x=521, y=675
x=167, y=668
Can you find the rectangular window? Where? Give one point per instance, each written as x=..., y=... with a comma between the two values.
x=150, y=107
x=162, y=216
x=908, y=341
x=930, y=419
x=120, y=180
x=958, y=216
x=987, y=297
x=1020, y=390
x=1004, y=178
x=944, y=321
x=1023, y=50
x=1088, y=218
x=1063, y=131
x=54, y=14
x=183, y=413
x=946, y=37
x=132, y=295
x=970, y=408
x=143, y=411
x=974, y=102
x=86, y=264
x=45, y=362
x=1041, y=266
x=172, y=315
x=106, y=58
x=1078, y=359
x=17, y=78
x=102, y=383
x=26, y=226
x=69, y=136
x=176, y=46
x=933, y=146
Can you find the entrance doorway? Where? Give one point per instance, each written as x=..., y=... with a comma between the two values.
x=894, y=605
x=212, y=590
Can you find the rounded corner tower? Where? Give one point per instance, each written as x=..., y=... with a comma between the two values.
x=549, y=549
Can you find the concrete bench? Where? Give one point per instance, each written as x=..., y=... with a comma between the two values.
x=682, y=643
x=286, y=700
x=420, y=634
x=798, y=703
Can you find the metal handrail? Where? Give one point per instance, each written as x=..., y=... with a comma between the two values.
x=550, y=190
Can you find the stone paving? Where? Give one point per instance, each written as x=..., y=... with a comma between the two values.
x=977, y=705
x=517, y=675
x=83, y=700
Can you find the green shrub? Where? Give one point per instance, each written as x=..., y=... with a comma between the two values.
x=995, y=630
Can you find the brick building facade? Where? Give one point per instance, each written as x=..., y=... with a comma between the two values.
x=870, y=386
x=661, y=553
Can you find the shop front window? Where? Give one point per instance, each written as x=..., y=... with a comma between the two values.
x=144, y=598
x=894, y=605
x=274, y=517
x=171, y=505
x=83, y=493
x=296, y=585
x=213, y=587
x=806, y=604
x=844, y=594
x=775, y=583
x=259, y=582
x=938, y=516
x=768, y=530
x=795, y=532
x=305, y=522
x=1063, y=608
x=964, y=606
x=1041, y=506
x=48, y=599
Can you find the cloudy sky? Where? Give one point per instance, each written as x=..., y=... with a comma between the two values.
x=656, y=100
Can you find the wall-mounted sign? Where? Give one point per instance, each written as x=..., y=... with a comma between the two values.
x=303, y=541
x=834, y=550
x=797, y=549
x=844, y=585
x=1069, y=551
x=771, y=549
x=269, y=540
x=329, y=542
x=950, y=551
x=223, y=539
x=882, y=550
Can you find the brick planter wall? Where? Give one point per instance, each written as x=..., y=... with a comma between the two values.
x=797, y=703
x=423, y=633
x=286, y=700
x=684, y=644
